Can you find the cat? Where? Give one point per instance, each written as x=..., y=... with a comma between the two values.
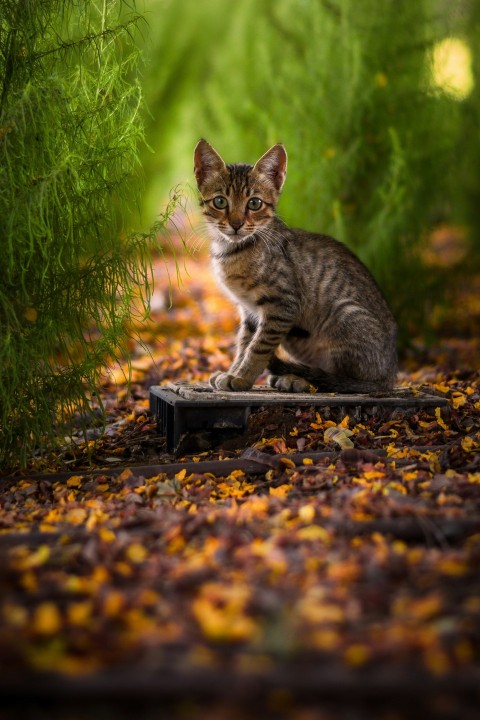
x=305, y=293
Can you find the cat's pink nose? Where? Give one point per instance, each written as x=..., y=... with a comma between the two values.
x=236, y=224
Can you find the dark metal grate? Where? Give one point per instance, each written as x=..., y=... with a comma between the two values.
x=183, y=408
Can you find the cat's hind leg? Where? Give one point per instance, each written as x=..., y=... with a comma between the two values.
x=289, y=377
x=290, y=383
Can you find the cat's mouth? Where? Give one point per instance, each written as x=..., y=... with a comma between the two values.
x=236, y=235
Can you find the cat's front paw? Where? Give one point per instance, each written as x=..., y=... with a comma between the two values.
x=212, y=379
x=225, y=381
x=290, y=384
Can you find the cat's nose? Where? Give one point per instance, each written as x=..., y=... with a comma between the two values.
x=236, y=224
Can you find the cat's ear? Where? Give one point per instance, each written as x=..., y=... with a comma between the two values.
x=206, y=161
x=274, y=165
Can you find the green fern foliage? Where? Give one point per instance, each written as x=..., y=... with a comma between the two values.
x=69, y=169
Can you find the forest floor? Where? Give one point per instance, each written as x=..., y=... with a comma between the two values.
x=322, y=588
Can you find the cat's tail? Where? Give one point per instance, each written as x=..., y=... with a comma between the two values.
x=325, y=382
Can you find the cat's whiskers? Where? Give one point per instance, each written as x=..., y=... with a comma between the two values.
x=270, y=236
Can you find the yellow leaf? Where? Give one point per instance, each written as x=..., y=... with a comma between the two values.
x=306, y=513
x=220, y=612
x=123, y=568
x=236, y=474
x=39, y=557
x=181, y=474
x=373, y=474
x=423, y=608
x=345, y=571
x=106, y=535
x=80, y=613
x=136, y=553
x=113, y=604
x=74, y=481
x=449, y=566
x=287, y=462
x=147, y=596
x=218, y=625
x=307, y=461
x=100, y=575
x=138, y=621
x=273, y=557
x=469, y=444
x=394, y=452
x=458, y=399
x=234, y=489
x=254, y=507
x=432, y=458
x=324, y=639
x=30, y=314
x=345, y=421
x=399, y=547
x=46, y=619
x=46, y=527
x=314, y=611
x=314, y=532
x=281, y=491
x=357, y=655
x=424, y=424
x=397, y=487
x=29, y=581
x=438, y=415
x=76, y=516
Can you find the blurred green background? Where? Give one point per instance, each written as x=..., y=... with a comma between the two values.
x=377, y=104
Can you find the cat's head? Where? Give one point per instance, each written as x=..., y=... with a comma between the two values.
x=238, y=200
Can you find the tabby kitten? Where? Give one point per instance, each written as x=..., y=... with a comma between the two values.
x=295, y=290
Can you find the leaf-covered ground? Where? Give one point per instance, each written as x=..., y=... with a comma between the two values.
x=341, y=585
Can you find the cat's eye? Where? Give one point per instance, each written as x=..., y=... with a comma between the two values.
x=254, y=203
x=220, y=202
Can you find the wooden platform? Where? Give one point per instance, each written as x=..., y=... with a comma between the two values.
x=184, y=407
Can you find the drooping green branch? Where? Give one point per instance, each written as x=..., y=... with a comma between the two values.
x=70, y=132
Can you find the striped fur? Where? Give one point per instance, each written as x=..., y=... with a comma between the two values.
x=299, y=291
